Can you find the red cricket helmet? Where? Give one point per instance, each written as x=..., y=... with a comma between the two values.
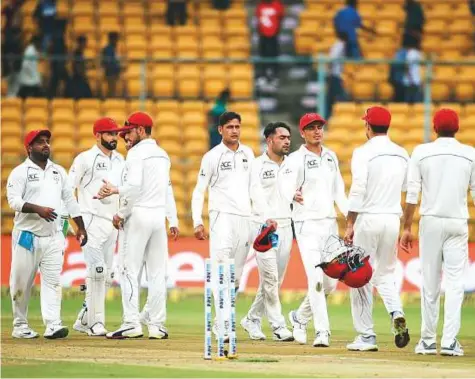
x=360, y=275
x=263, y=241
x=336, y=268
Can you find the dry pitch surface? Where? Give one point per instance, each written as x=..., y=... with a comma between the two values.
x=181, y=355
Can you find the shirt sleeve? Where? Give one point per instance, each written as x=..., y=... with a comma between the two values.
x=414, y=179
x=258, y=198
x=76, y=172
x=359, y=173
x=472, y=179
x=339, y=191
x=170, y=209
x=198, y=197
x=130, y=189
x=67, y=196
x=15, y=188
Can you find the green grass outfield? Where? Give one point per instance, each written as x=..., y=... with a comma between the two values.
x=181, y=355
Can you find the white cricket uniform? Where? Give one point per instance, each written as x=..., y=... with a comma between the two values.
x=269, y=182
x=28, y=183
x=87, y=174
x=322, y=186
x=379, y=170
x=146, y=196
x=443, y=170
x=226, y=175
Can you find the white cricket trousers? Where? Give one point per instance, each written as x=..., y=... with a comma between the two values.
x=442, y=242
x=272, y=265
x=311, y=238
x=99, y=255
x=47, y=254
x=145, y=242
x=378, y=235
x=229, y=238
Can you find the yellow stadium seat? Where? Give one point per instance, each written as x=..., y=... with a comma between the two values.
x=36, y=115
x=141, y=105
x=12, y=144
x=210, y=29
x=113, y=104
x=87, y=116
x=85, y=143
x=164, y=87
x=192, y=106
x=385, y=91
x=167, y=132
x=464, y=91
x=167, y=105
x=363, y=90
x=133, y=9
x=62, y=158
x=63, y=144
x=34, y=102
x=238, y=47
x=11, y=128
x=440, y=91
x=88, y=104
x=173, y=148
x=454, y=106
x=167, y=117
x=344, y=108
x=62, y=104
x=398, y=108
x=195, y=120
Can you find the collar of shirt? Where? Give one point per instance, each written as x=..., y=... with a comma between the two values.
x=304, y=150
x=97, y=150
x=227, y=149
x=144, y=142
x=445, y=140
x=379, y=139
x=266, y=158
x=32, y=164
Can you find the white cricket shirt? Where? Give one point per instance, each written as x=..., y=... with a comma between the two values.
x=321, y=183
x=146, y=182
x=379, y=173
x=226, y=174
x=29, y=183
x=268, y=191
x=87, y=173
x=443, y=170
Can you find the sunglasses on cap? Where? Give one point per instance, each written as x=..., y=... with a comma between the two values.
x=127, y=123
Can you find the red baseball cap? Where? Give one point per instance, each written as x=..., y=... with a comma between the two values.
x=446, y=120
x=308, y=118
x=105, y=124
x=31, y=136
x=377, y=116
x=138, y=119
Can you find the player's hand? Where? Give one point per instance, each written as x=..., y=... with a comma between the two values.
x=272, y=223
x=106, y=190
x=174, y=231
x=298, y=198
x=349, y=234
x=200, y=232
x=405, y=243
x=81, y=236
x=118, y=222
x=46, y=213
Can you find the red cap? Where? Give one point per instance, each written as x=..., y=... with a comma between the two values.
x=105, y=124
x=138, y=119
x=308, y=118
x=446, y=120
x=377, y=116
x=30, y=137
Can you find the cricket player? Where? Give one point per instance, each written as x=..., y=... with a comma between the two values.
x=87, y=174
x=36, y=190
x=443, y=170
x=143, y=201
x=379, y=170
x=269, y=181
x=225, y=172
x=319, y=185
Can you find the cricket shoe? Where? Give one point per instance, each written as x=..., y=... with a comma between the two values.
x=423, y=348
x=157, y=332
x=401, y=333
x=253, y=327
x=454, y=350
x=322, y=339
x=24, y=331
x=363, y=343
x=299, y=330
x=226, y=328
x=97, y=330
x=80, y=325
x=126, y=331
x=53, y=332
x=282, y=334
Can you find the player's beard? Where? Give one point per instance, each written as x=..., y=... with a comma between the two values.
x=112, y=145
x=40, y=156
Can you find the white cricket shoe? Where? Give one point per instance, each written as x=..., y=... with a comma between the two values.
x=157, y=332
x=423, y=348
x=126, y=331
x=454, y=350
x=282, y=334
x=226, y=328
x=253, y=327
x=363, y=343
x=97, y=330
x=322, y=339
x=53, y=332
x=24, y=331
x=299, y=330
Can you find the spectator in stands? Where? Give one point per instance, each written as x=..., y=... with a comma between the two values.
x=12, y=15
x=414, y=23
x=111, y=64
x=220, y=106
x=397, y=71
x=269, y=15
x=336, y=91
x=221, y=5
x=45, y=15
x=348, y=20
x=78, y=86
x=30, y=77
x=59, y=53
x=412, y=77
x=12, y=49
x=176, y=12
